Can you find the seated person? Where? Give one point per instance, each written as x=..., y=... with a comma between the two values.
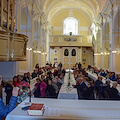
x=8, y=90
x=40, y=91
x=118, y=79
x=58, y=83
x=113, y=93
x=15, y=81
x=88, y=92
x=37, y=83
x=99, y=87
x=25, y=78
x=34, y=74
x=29, y=76
x=61, y=78
x=13, y=100
x=52, y=93
x=107, y=86
x=113, y=78
x=80, y=87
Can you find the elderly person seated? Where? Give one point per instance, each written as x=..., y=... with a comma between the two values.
x=13, y=100
x=113, y=93
x=57, y=81
x=80, y=87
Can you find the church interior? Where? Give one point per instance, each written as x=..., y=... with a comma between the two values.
x=82, y=37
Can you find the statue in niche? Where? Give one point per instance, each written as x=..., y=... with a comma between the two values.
x=66, y=52
x=73, y=52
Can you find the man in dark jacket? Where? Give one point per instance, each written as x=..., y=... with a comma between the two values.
x=80, y=87
x=99, y=87
x=113, y=92
x=6, y=110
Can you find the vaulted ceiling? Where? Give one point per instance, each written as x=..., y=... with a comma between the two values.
x=90, y=8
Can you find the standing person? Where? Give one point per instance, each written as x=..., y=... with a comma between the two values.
x=54, y=65
x=60, y=65
x=13, y=100
x=37, y=66
x=79, y=65
x=47, y=63
x=50, y=64
x=8, y=90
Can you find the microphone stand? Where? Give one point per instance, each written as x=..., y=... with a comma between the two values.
x=69, y=79
x=30, y=92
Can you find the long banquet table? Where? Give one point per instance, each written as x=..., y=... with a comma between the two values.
x=71, y=109
x=68, y=92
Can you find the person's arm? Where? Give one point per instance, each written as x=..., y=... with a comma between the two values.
x=6, y=110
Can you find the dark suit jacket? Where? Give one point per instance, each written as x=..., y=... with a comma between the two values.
x=80, y=88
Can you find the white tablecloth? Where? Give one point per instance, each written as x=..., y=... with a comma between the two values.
x=68, y=92
x=72, y=109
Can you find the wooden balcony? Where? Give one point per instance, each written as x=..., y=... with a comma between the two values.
x=67, y=40
x=12, y=46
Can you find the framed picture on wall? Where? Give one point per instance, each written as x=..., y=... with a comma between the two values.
x=55, y=59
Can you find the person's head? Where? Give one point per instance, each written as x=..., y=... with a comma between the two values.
x=108, y=81
x=56, y=77
x=100, y=78
x=114, y=84
x=37, y=65
x=15, y=78
x=61, y=76
x=0, y=80
x=89, y=84
x=25, y=75
x=47, y=75
x=84, y=80
x=28, y=73
x=39, y=79
x=80, y=80
x=36, y=70
x=19, y=77
x=10, y=81
x=49, y=82
x=42, y=76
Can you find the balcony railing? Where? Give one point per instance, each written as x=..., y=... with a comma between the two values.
x=12, y=46
x=64, y=40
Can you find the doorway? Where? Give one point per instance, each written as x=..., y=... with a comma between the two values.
x=69, y=57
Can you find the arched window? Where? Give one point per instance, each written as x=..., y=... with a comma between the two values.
x=70, y=25
x=73, y=52
x=66, y=52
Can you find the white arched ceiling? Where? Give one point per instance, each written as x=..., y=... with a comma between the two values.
x=89, y=8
